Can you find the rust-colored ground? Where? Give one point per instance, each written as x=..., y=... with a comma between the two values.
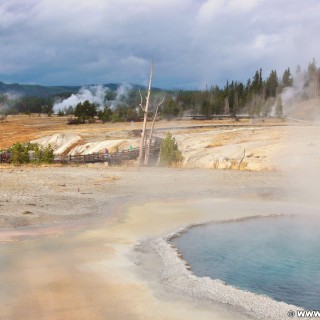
x=23, y=128
x=204, y=144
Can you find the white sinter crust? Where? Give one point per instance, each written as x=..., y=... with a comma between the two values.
x=175, y=274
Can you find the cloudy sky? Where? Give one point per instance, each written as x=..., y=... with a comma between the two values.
x=192, y=42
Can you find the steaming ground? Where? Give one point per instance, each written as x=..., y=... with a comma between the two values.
x=88, y=268
x=246, y=145
x=91, y=226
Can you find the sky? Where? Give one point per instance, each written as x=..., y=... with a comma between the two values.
x=193, y=43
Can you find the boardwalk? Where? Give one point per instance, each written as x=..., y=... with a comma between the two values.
x=111, y=158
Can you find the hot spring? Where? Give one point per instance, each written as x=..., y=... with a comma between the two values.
x=277, y=256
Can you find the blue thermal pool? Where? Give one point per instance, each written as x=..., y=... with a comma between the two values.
x=277, y=256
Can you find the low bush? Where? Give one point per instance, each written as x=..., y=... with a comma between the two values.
x=31, y=152
x=169, y=152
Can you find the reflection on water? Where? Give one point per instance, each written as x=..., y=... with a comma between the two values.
x=278, y=257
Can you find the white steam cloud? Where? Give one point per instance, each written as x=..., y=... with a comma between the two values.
x=94, y=94
x=299, y=156
x=122, y=93
x=9, y=96
x=301, y=101
x=296, y=93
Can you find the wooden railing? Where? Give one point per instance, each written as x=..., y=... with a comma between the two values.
x=111, y=158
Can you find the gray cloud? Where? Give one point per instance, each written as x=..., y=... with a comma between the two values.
x=192, y=42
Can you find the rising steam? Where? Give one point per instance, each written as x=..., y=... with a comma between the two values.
x=7, y=99
x=301, y=101
x=299, y=157
x=96, y=95
x=122, y=93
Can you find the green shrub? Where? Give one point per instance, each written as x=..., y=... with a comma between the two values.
x=19, y=153
x=47, y=155
x=31, y=152
x=169, y=152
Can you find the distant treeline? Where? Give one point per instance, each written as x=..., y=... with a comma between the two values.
x=29, y=104
x=259, y=96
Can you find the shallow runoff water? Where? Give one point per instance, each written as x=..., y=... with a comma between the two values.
x=278, y=257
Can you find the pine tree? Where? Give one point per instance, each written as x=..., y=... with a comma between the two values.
x=169, y=152
x=272, y=84
x=287, y=80
x=256, y=82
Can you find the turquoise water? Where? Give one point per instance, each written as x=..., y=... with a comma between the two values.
x=278, y=257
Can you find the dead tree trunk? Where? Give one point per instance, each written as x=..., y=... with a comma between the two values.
x=145, y=118
x=147, y=152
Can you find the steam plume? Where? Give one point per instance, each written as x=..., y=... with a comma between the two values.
x=8, y=97
x=96, y=95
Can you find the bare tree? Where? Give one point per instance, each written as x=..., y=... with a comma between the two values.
x=145, y=117
x=156, y=113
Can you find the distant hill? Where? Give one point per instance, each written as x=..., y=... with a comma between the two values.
x=36, y=90
x=46, y=91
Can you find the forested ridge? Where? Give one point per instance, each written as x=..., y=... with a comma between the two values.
x=260, y=95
